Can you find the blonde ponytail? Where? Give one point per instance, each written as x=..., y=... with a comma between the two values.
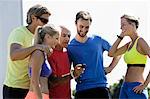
x=41, y=31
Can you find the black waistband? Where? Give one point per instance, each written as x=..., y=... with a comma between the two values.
x=136, y=65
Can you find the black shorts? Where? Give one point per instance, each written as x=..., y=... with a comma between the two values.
x=99, y=93
x=14, y=93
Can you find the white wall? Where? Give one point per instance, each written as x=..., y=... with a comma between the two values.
x=10, y=17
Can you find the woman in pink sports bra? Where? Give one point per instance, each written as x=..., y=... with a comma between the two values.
x=135, y=55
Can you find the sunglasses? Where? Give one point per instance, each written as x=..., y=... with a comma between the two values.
x=45, y=21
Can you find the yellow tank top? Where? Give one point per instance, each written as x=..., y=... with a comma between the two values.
x=133, y=56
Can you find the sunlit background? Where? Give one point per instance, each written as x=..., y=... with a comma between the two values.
x=106, y=23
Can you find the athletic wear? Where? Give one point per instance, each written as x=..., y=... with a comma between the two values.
x=91, y=54
x=46, y=68
x=133, y=56
x=128, y=93
x=135, y=65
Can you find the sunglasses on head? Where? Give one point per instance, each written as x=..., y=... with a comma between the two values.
x=45, y=21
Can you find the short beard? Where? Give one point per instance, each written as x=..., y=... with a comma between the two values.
x=82, y=35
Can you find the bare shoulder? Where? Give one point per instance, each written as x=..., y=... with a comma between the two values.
x=141, y=41
x=143, y=46
x=37, y=54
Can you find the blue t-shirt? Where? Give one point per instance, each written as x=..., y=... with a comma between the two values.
x=91, y=54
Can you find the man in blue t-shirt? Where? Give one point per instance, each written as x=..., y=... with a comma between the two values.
x=89, y=51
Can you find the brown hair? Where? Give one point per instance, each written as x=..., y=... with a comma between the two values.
x=42, y=31
x=131, y=19
x=37, y=10
x=83, y=15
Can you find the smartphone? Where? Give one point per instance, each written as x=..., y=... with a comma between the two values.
x=82, y=65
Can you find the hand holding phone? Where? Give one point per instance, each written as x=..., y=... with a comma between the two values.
x=78, y=66
x=79, y=69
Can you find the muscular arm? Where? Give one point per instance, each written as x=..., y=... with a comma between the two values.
x=19, y=53
x=37, y=59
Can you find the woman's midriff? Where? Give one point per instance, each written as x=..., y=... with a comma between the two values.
x=134, y=74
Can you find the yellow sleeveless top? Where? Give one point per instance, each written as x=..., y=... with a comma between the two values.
x=133, y=56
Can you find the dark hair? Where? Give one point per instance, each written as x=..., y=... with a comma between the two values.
x=131, y=19
x=83, y=15
x=42, y=31
x=37, y=10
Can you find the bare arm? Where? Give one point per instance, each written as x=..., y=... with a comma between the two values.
x=54, y=80
x=37, y=59
x=144, y=46
x=115, y=51
x=146, y=50
x=17, y=52
x=112, y=65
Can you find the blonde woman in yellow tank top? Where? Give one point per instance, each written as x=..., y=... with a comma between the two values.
x=135, y=55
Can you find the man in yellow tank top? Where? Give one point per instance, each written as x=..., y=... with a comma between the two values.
x=136, y=52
